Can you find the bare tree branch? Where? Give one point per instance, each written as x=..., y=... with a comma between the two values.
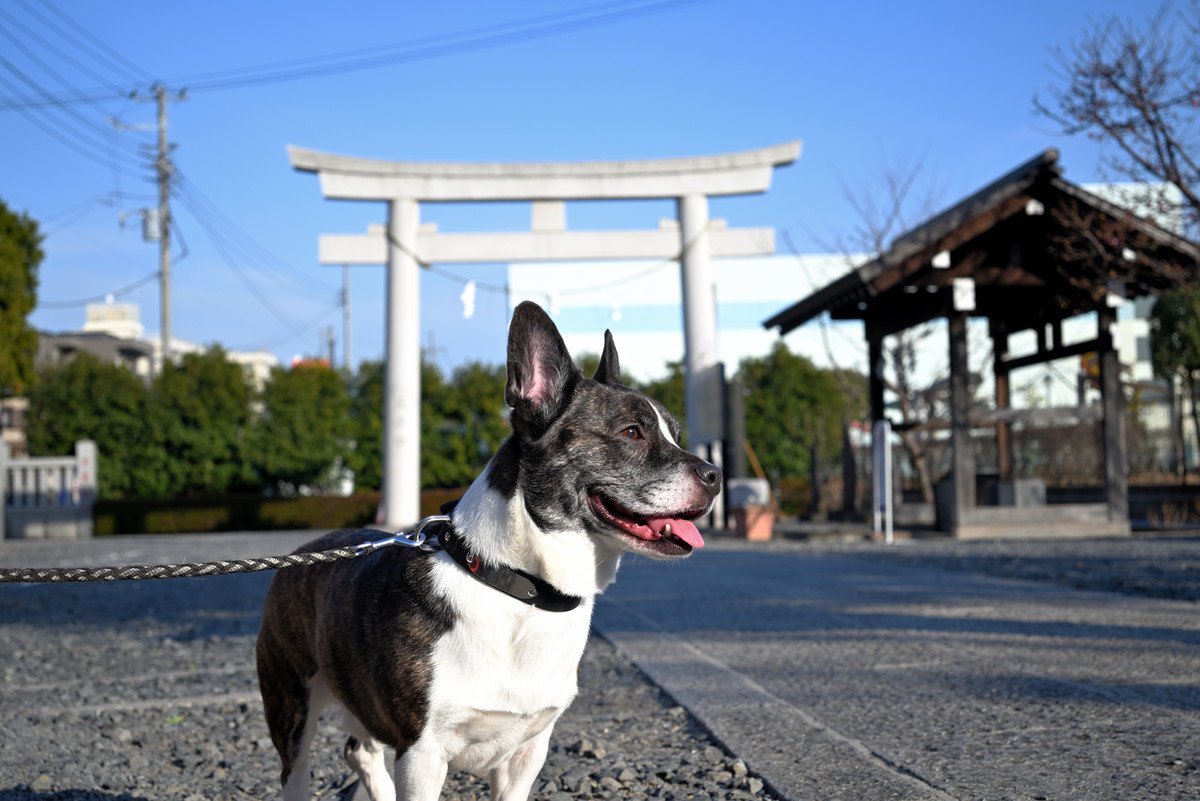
x=1136, y=90
x=885, y=207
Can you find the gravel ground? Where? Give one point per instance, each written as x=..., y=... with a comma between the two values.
x=147, y=691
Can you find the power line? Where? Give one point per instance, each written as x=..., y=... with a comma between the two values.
x=87, y=123
x=226, y=249
x=86, y=131
x=302, y=328
x=464, y=41
x=221, y=244
x=53, y=49
x=78, y=213
x=433, y=47
x=329, y=60
x=252, y=251
x=56, y=132
x=116, y=293
x=108, y=134
x=103, y=199
x=87, y=203
x=116, y=56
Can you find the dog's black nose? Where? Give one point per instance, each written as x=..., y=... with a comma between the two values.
x=710, y=474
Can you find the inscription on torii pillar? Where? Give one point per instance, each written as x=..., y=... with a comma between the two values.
x=404, y=243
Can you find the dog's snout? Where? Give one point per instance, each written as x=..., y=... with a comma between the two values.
x=709, y=474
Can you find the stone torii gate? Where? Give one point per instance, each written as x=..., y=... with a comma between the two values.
x=405, y=244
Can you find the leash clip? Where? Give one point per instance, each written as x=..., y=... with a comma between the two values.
x=416, y=539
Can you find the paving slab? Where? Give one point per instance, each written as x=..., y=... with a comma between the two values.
x=851, y=673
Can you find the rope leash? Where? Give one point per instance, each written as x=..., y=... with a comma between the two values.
x=59, y=575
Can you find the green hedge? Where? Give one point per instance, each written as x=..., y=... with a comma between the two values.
x=247, y=513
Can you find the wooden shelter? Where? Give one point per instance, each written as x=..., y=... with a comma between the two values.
x=1028, y=251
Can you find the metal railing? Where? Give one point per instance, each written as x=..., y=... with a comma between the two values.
x=48, y=496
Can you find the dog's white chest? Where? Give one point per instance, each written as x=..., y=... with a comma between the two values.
x=503, y=673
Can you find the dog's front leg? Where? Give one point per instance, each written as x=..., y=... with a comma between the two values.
x=513, y=780
x=421, y=772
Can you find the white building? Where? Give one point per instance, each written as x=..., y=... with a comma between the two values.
x=641, y=303
x=123, y=321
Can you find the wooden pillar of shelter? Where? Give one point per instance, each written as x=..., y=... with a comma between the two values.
x=962, y=450
x=1116, y=478
x=849, y=475
x=1004, y=449
x=875, y=372
x=875, y=387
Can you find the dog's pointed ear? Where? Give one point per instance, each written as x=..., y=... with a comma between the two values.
x=609, y=369
x=541, y=374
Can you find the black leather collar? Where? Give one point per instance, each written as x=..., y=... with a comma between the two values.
x=518, y=584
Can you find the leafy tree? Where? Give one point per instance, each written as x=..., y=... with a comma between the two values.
x=794, y=411
x=201, y=416
x=438, y=465
x=20, y=255
x=470, y=418
x=366, y=425
x=88, y=399
x=304, y=429
x=463, y=422
x=588, y=362
x=366, y=459
x=1136, y=90
x=1175, y=344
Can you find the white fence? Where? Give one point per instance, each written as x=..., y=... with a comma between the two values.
x=48, y=497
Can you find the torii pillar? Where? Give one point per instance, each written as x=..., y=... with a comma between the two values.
x=405, y=185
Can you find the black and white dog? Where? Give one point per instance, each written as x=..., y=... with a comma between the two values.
x=464, y=658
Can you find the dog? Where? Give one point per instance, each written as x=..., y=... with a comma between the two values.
x=464, y=658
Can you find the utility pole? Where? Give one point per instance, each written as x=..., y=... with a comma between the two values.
x=163, y=169
x=346, y=317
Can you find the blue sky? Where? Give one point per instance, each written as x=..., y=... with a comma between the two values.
x=862, y=84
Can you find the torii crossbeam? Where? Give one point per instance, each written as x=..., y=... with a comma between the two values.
x=404, y=244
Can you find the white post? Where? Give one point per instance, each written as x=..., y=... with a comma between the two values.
x=702, y=388
x=3, y=485
x=402, y=381
x=346, y=360
x=881, y=448
x=891, y=491
x=702, y=391
x=87, y=474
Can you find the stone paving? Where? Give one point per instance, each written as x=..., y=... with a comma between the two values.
x=862, y=671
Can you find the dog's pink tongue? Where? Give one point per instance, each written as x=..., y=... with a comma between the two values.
x=683, y=529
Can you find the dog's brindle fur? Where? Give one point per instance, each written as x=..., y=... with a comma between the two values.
x=445, y=670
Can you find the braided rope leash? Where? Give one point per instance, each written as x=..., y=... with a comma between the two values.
x=59, y=575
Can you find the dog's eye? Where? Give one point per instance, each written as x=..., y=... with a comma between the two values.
x=632, y=432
